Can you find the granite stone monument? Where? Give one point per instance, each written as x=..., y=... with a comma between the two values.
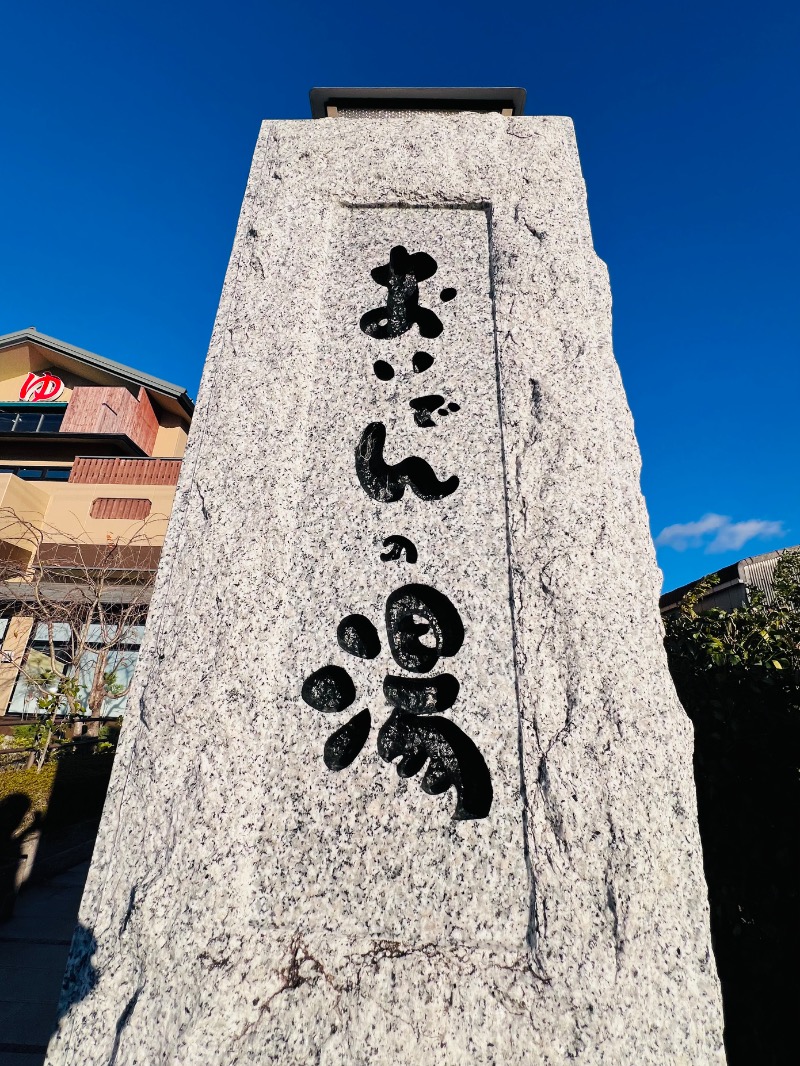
x=404, y=778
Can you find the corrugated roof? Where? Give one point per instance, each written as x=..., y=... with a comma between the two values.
x=755, y=570
x=98, y=362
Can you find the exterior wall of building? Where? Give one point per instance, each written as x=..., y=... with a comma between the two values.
x=29, y=500
x=96, y=404
x=733, y=585
x=14, y=643
x=101, y=409
x=80, y=505
x=724, y=597
x=758, y=571
x=15, y=365
x=69, y=517
x=26, y=502
x=88, y=470
x=171, y=437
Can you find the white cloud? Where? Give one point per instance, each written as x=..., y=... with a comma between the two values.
x=735, y=535
x=717, y=533
x=690, y=534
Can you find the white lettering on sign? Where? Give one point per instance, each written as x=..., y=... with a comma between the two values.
x=38, y=387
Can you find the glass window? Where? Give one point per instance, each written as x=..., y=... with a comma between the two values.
x=3, y=627
x=37, y=473
x=108, y=669
x=118, y=672
x=87, y=668
x=117, y=663
x=28, y=418
x=28, y=422
x=131, y=636
x=50, y=423
x=100, y=634
x=61, y=632
x=39, y=670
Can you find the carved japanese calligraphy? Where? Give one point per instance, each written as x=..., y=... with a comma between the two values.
x=343, y=745
x=358, y=636
x=397, y=545
x=452, y=759
x=388, y=483
x=422, y=624
x=414, y=732
x=401, y=276
x=329, y=689
x=440, y=621
x=424, y=406
x=383, y=370
x=421, y=695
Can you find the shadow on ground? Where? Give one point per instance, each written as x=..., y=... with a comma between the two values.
x=37, y=922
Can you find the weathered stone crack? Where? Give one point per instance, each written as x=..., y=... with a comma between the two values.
x=122, y=1022
x=203, y=507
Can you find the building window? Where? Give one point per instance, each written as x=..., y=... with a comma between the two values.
x=38, y=473
x=27, y=418
x=37, y=670
x=106, y=657
x=112, y=668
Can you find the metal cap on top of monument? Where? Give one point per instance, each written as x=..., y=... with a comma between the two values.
x=339, y=102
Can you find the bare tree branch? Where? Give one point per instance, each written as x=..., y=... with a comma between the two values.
x=91, y=598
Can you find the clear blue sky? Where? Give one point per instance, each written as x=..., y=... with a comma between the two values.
x=126, y=132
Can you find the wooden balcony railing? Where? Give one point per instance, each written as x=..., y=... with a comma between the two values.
x=90, y=471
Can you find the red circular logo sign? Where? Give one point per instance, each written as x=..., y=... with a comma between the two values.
x=41, y=387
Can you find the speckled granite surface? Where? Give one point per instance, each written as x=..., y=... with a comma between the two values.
x=246, y=903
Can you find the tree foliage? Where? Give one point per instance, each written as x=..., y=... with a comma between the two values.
x=737, y=674
x=756, y=644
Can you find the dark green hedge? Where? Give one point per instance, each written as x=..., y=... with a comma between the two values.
x=68, y=790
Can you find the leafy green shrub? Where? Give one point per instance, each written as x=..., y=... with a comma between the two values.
x=69, y=789
x=109, y=737
x=737, y=674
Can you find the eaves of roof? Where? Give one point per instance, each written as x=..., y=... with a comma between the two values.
x=726, y=575
x=733, y=574
x=108, y=366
